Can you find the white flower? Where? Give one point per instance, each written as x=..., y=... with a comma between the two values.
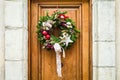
x=43, y=24
x=47, y=25
x=69, y=25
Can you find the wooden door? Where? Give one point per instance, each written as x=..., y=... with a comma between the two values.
x=77, y=64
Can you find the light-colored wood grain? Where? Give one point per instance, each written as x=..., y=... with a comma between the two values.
x=85, y=39
x=34, y=43
x=77, y=64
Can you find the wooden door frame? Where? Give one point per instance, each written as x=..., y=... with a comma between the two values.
x=90, y=40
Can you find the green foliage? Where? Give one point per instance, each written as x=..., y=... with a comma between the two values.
x=78, y=31
x=55, y=39
x=73, y=37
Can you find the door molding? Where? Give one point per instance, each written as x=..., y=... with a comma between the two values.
x=90, y=35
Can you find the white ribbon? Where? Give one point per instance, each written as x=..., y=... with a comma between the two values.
x=63, y=53
x=58, y=50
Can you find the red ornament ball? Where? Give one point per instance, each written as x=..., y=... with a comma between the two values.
x=62, y=16
x=44, y=33
x=47, y=36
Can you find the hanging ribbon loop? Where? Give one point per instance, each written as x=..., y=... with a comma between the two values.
x=58, y=50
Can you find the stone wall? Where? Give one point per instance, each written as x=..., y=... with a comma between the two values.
x=14, y=39
x=117, y=25
x=104, y=64
x=2, y=40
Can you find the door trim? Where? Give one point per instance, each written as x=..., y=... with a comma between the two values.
x=90, y=39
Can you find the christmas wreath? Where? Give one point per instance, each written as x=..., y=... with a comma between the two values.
x=60, y=23
x=57, y=32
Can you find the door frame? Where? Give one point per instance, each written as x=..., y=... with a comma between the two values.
x=90, y=40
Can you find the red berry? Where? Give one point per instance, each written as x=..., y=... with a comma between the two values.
x=47, y=36
x=49, y=46
x=66, y=17
x=44, y=33
x=62, y=16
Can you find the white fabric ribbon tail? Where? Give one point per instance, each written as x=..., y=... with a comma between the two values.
x=58, y=50
x=63, y=53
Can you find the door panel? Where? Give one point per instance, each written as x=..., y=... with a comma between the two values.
x=70, y=67
x=76, y=65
